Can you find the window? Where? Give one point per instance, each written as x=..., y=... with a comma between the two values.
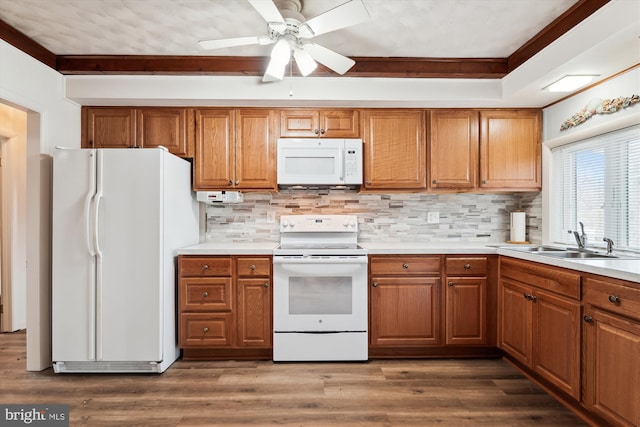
x=597, y=182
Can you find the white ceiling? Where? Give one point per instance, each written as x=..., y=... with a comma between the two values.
x=603, y=44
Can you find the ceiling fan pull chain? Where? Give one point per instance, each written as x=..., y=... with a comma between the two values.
x=290, y=78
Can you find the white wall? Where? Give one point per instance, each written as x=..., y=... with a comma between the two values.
x=624, y=85
x=51, y=120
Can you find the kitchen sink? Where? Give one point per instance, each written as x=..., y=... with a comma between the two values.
x=544, y=249
x=577, y=255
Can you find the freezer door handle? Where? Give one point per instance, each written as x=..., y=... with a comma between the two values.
x=98, y=251
x=87, y=203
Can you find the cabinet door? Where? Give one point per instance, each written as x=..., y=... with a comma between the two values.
x=453, y=149
x=612, y=371
x=466, y=310
x=163, y=126
x=405, y=311
x=514, y=321
x=109, y=127
x=340, y=123
x=255, y=154
x=556, y=341
x=254, y=312
x=510, y=149
x=299, y=123
x=395, y=149
x=213, y=161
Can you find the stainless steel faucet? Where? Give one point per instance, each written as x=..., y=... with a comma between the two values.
x=609, y=245
x=581, y=238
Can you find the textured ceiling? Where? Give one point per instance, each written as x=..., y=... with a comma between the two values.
x=398, y=28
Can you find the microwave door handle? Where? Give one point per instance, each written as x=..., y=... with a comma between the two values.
x=341, y=161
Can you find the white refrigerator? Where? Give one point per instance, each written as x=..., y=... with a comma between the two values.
x=119, y=215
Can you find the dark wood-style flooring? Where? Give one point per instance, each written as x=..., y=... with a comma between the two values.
x=442, y=392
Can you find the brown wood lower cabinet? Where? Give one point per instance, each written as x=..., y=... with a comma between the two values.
x=611, y=349
x=539, y=326
x=413, y=315
x=224, y=307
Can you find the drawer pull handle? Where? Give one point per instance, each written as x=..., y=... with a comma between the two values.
x=614, y=299
x=266, y=285
x=588, y=319
x=205, y=267
x=252, y=267
x=450, y=283
x=205, y=329
x=205, y=294
x=405, y=266
x=375, y=284
x=467, y=266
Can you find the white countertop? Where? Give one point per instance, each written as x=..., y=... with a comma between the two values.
x=230, y=248
x=625, y=269
x=392, y=248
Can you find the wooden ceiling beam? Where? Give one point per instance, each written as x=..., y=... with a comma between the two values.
x=29, y=46
x=255, y=66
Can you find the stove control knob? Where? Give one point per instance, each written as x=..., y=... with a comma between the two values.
x=285, y=224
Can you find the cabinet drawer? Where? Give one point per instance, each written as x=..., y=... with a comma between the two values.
x=204, y=266
x=466, y=266
x=554, y=279
x=205, y=330
x=613, y=297
x=198, y=294
x=405, y=265
x=253, y=267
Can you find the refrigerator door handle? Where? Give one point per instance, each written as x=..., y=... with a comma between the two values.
x=87, y=204
x=98, y=252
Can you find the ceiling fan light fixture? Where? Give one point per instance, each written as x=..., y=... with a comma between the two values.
x=304, y=61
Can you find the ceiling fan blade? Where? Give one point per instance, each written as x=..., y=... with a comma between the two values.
x=238, y=41
x=268, y=10
x=351, y=13
x=330, y=59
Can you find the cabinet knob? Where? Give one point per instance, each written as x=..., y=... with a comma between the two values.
x=266, y=285
x=252, y=267
x=614, y=299
x=375, y=284
x=368, y=182
x=205, y=267
x=205, y=294
x=230, y=182
x=321, y=131
x=484, y=181
x=588, y=319
x=237, y=182
x=450, y=284
x=405, y=266
x=533, y=298
x=316, y=131
x=205, y=329
x=527, y=296
x=435, y=181
x=467, y=266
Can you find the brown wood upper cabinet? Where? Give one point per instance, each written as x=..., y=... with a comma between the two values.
x=510, y=149
x=333, y=123
x=395, y=150
x=453, y=149
x=234, y=150
x=131, y=127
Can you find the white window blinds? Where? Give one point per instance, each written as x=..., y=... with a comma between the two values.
x=597, y=182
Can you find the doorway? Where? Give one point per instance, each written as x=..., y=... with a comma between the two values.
x=13, y=209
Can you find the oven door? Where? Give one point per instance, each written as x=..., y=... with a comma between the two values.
x=320, y=294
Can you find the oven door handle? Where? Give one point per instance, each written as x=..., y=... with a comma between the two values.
x=319, y=260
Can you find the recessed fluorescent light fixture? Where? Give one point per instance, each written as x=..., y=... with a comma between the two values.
x=570, y=82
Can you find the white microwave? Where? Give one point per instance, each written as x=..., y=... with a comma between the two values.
x=319, y=162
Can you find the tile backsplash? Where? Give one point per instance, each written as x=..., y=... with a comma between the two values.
x=466, y=217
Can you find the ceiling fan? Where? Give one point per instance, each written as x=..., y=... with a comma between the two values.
x=291, y=33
